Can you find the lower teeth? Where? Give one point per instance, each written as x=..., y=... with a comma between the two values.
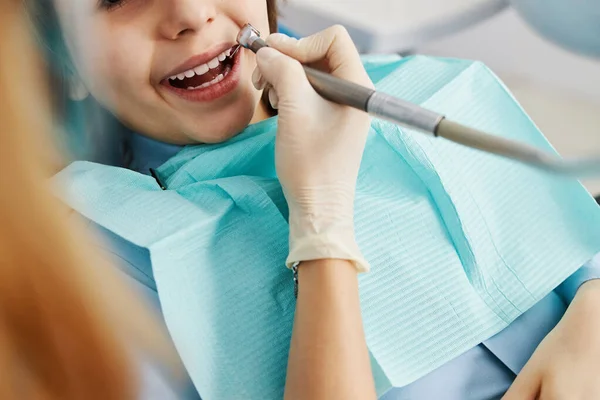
x=218, y=79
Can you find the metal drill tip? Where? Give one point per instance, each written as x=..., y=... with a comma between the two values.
x=234, y=52
x=247, y=35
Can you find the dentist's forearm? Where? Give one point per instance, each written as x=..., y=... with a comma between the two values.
x=328, y=356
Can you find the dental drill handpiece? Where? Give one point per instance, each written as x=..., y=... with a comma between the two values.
x=412, y=116
x=347, y=93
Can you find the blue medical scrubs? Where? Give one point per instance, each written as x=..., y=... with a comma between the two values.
x=484, y=372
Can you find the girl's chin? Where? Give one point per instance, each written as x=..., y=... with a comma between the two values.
x=227, y=125
x=223, y=130
x=216, y=138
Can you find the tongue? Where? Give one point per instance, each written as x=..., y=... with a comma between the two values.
x=196, y=80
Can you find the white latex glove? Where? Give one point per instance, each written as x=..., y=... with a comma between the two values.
x=319, y=144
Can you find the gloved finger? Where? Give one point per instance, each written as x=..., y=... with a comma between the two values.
x=526, y=386
x=285, y=74
x=334, y=46
x=258, y=80
x=273, y=98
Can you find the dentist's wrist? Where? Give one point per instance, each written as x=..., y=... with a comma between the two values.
x=313, y=237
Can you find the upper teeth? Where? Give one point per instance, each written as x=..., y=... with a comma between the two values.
x=204, y=68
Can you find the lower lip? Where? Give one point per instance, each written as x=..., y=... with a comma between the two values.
x=212, y=92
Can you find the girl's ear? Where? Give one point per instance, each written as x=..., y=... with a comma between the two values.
x=77, y=90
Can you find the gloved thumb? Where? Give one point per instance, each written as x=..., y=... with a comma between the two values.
x=283, y=73
x=331, y=50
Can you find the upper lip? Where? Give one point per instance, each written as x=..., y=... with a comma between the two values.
x=200, y=59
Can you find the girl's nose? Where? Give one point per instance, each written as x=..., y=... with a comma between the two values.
x=184, y=17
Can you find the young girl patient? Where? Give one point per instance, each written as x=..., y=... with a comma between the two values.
x=165, y=70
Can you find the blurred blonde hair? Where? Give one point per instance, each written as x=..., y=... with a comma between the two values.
x=67, y=324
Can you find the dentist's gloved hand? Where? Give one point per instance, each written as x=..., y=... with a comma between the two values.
x=319, y=144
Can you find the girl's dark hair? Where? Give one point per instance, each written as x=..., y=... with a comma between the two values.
x=85, y=128
x=273, y=14
x=58, y=62
x=84, y=122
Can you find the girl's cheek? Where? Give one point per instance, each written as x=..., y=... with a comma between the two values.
x=108, y=61
x=84, y=46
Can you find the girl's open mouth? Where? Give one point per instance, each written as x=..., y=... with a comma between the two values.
x=207, y=81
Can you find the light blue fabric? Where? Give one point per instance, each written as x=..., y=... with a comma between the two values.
x=484, y=372
x=286, y=31
x=149, y=154
x=590, y=271
x=461, y=243
x=487, y=371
